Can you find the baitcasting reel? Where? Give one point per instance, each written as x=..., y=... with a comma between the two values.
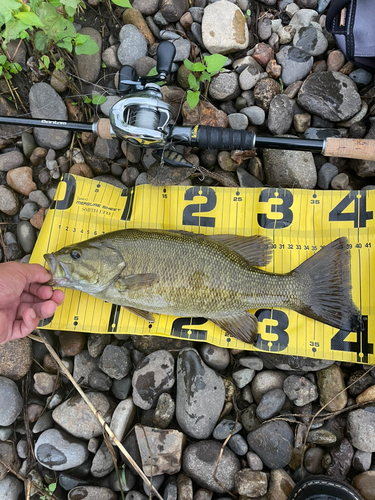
x=143, y=119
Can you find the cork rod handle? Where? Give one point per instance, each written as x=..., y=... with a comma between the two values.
x=361, y=149
x=103, y=129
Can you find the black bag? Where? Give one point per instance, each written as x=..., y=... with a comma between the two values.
x=353, y=24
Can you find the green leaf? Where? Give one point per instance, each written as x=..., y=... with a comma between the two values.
x=89, y=46
x=46, y=61
x=152, y=72
x=192, y=98
x=2, y=60
x=52, y=487
x=30, y=19
x=215, y=62
x=205, y=77
x=122, y=3
x=188, y=64
x=193, y=84
x=70, y=6
x=55, y=26
x=7, y=9
x=41, y=41
x=66, y=43
x=1, y=70
x=86, y=99
x=199, y=66
x=60, y=64
x=98, y=99
x=13, y=30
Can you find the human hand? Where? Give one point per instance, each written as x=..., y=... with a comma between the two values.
x=24, y=299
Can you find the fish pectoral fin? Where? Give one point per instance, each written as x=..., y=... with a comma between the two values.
x=142, y=314
x=257, y=250
x=243, y=326
x=134, y=281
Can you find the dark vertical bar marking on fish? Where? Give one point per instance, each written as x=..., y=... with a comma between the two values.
x=70, y=192
x=128, y=208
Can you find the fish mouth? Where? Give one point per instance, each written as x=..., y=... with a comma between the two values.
x=60, y=275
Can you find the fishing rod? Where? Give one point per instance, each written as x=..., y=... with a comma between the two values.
x=143, y=119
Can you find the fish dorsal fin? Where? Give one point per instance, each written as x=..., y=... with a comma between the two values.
x=142, y=314
x=243, y=326
x=257, y=250
x=134, y=281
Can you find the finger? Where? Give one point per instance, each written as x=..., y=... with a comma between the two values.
x=4, y=329
x=43, y=309
x=35, y=273
x=58, y=296
x=41, y=291
x=24, y=326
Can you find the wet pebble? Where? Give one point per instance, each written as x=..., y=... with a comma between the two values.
x=11, y=401
x=216, y=357
x=8, y=201
x=132, y=45
x=238, y=445
x=12, y=159
x=92, y=493
x=270, y=404
x=325, y=175
x=115, y=361
x=361, y=429
x=265, y=381
x=273, y=443
x=225, y=428
x=300, y=390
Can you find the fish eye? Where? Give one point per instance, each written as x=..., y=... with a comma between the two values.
x=75, y=254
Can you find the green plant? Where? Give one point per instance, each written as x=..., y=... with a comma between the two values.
x=7, y=68
x=50, y=21
x=247, y=14
x=204, y=71
x=49, y=489
x=96, y=99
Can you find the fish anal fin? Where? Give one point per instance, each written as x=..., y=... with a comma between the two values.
x=243, y=326
x=142, y=314
x=257, y=249
x=134, y=281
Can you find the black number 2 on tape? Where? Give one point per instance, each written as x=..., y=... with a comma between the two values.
x=188, y=217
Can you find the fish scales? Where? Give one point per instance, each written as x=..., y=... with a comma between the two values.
x=182, y=274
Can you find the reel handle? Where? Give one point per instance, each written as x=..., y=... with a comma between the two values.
x=127, y=73
x=164, y=58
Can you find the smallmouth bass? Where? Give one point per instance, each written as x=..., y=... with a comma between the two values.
x=215, y=277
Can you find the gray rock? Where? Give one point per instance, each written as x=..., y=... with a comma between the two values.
x=11, y=401
x=121, y=388
x=96, y=343
x=300, y=390
x=100, y=381
x=75, y=416
x=102, y=463
x=46, y=103
x=238, y=445
x=341, y=460
x=172, y=10
x=299, y=168
x=26, y=236
x=84, y=364
x=246, y=179
x=295, y=63
x=107, y=105
x=322, y=5
x=250, y=484
x=182, y=49
x=146, y=7
x=264, y=28
x=286, y=34
x=12, y=159
x=133, y=45
x=224, y=28
x=254, y=462
x=359, y=76
x=250, y=76
x=215, y=357
x=28, y=210
x=362, y=460
x=265, y=381
x=313, y=460
x=243, y=377
x=110, y=59
x=40, y=198
x=200, y=460
x=57, y=450
x=238, y=121
x=321, y=436
x=340, y=181
x=270, y=404
x=196, y=29
x=325, y=175
x=341, y=99
x=200, y=395
x=225, y=428
x=28, y=144
x=280, y=115
x=224, y=86
x=361, y=429
x=321, y=133
x=5, y=433
x=164, y=411
x=152, y=376
x=10, y=488
x=129, y=176
x=115, y=361
x=88, y=65
x=107, y=148
x=311, y=40
x=252, y=362
x=92, y=493
x=273, y=442
x=43, y=423
x=8, y=201
x=122, y=417
x=255, y=114
x=303, y=17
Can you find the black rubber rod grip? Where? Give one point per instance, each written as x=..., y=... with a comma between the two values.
x=225, y=139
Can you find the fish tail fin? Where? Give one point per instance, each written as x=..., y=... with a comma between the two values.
x=325, y=281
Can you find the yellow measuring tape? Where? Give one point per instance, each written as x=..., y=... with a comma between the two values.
x=299, y=223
